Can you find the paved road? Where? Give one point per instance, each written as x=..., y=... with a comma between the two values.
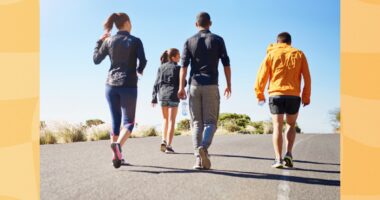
x=240, y=170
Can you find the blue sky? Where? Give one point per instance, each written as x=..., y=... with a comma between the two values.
x=72, y=87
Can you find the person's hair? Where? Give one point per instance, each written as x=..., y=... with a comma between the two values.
x=284, y=37
x=168, y=54
x=203, y=19
x=118, y=18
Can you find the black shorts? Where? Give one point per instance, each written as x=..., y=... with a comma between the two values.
x=284, y=104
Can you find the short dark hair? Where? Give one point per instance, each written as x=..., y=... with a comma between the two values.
x=284, y=37
x=203, y=19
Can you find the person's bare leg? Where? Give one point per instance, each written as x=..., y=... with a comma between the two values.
x=290, y=132
x=124, y=135
x=165, y=116
x=114, y=138
x=172, y=117
x=278, y=121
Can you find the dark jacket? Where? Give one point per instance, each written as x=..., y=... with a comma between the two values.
x=166, y=85
x=203, y=52
x=123, y=50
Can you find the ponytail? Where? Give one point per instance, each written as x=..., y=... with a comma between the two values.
x=118, y=18
x=164, y=57
x=168, y=54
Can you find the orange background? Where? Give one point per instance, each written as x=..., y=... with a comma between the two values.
x=19, y=99
x=360, y=99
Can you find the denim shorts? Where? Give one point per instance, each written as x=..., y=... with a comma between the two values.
x=169, y=104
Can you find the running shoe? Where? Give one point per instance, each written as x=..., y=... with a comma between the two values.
x=163, y=146
x=277, y=164
x=117, y=155
x=198, y=164
x=206, y=163
x=169, y=150
x=288, y=160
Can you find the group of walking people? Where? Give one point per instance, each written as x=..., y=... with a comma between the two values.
x=283, y=67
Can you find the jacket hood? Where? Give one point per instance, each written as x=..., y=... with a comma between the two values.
x=276, y=46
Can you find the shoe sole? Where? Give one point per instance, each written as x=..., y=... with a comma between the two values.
x=197, y=167
x=288, y=162
x=278, y=166
x=117, y=161
x=169, y=152
x=163, y=148
x=206, y=163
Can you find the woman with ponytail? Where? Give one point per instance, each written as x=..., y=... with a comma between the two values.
x=166, y=87
x=123, y=50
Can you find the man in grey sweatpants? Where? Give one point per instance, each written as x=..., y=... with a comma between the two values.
x=203, y=51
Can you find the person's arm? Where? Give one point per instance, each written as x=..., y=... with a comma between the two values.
x=101, y=50
x=227, y=73
x=306, y=93
x=141, y=57
x=156, y=87
x=186, y=56
x=227, y=69
x=182, y=82
x=262, y=79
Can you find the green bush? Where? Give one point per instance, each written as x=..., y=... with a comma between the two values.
x=183, y=125
x=177, y=133
x=259, y=127
x=240, y=120
x=48, y=138
x=94, y=122
x=231, y=126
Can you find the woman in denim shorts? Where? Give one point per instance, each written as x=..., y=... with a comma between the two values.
x=166, y=87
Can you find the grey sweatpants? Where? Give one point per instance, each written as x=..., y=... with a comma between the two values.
x=204, y=104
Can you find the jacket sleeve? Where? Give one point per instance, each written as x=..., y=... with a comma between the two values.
x=186, y=55
x=100, y=52
x=156, y=86
x=141, y=57
x=223, y=54
x=306, y=92
x=262, y=78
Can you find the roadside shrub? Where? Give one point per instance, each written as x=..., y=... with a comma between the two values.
x=99, y=132
x=149, y=132
x=48, y=137
x=93, y=122
x=183, y=125
x=231, y=126
x=240, y=120
x=177, y=133
x=259, y=127
x=268, y=127
x=73, y=134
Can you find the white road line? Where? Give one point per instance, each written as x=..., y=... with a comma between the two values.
x=283, y=189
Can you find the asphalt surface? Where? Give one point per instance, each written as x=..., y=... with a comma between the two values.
x=240, y=170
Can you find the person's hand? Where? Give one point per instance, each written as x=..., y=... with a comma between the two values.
x=154, y=105
x=105, y=36
x=182, y=93
x=305, y=102
x=261, y=102
x=227, y=92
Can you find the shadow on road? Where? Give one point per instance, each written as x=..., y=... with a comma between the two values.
x=240, y=174
x=262, y=158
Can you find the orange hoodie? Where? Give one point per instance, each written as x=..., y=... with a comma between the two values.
x=283, y=66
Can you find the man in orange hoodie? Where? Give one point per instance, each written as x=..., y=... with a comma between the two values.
x=284, y=66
